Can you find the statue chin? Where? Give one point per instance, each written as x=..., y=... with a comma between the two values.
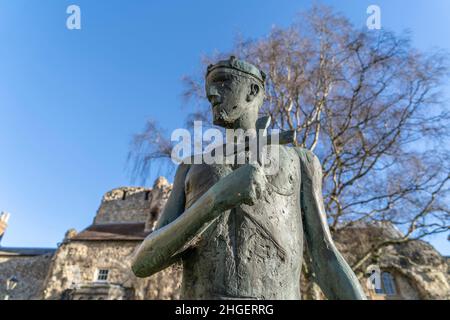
x=223, y=120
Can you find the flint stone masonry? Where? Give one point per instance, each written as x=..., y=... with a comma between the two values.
x=158, y=198
x=125, y=216
x=128, y=204
x=74, y=271
x=133, y=204
x=420, y=272
x=29, y=269
x=421, y=267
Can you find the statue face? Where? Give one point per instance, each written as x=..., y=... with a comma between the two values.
x=228, y=94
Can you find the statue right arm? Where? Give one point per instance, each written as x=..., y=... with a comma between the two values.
x=173, y=209
x=175, y=204
x=178, y=226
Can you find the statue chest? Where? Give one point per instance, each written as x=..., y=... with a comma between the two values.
x=249, y=245
x=281, y=165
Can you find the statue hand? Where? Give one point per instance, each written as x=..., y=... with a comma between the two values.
x=254, y=185
x=243, y=186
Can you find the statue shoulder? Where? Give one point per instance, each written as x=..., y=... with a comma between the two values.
x=180, y=175
x=175, y=204
x=308, y=160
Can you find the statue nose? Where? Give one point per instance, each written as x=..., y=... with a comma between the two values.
x=213, y=94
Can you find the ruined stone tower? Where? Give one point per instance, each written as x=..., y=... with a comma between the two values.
x=95, y=263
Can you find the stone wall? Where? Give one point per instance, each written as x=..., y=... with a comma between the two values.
x=30, y=272
x=76, y=262
x=421, y=266
x=74, y=266
x=134, y=204
x=420, y=271
x=128, y=204
x=159, y=196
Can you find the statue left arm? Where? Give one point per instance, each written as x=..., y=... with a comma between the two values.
x=333, y=274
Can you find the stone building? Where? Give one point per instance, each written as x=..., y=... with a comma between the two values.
x=28, y=266
x=95, y=263
x=411, y=270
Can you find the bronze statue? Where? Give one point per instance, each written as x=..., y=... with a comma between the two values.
x=239, y=232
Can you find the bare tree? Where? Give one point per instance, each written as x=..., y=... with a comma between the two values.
x=370, y=106
x=148, y=148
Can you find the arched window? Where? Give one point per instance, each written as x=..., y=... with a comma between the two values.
x=388, y=284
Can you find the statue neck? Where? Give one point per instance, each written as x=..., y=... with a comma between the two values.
x=247, y=121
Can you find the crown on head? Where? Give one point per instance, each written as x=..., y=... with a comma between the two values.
x=239, y=65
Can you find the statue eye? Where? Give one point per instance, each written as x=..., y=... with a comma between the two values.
x=221, y=78
x=225, y=85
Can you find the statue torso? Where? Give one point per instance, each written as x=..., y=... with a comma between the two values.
x=250, y=252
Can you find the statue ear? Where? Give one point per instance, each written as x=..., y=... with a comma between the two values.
x=254, y=90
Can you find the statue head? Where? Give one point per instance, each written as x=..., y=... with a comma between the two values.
x=235, y=89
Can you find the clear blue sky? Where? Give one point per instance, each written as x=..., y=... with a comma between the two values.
x=71, y=100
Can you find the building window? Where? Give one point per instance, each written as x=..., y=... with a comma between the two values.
x=102, y=275
x=388, y=284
